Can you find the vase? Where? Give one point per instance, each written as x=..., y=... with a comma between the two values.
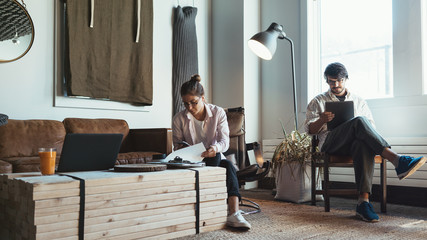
x=293, y=182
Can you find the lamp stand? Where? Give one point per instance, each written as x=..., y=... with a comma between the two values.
x=293, y=79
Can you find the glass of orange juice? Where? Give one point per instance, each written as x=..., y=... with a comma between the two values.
x=47, y=160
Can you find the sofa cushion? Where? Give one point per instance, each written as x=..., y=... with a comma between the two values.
x=5, y=167
x=84, y=125
x=19, y=138
x=135, y=157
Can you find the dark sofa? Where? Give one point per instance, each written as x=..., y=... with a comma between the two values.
x=20, y=140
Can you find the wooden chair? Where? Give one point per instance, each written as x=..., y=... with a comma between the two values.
x=321, y=160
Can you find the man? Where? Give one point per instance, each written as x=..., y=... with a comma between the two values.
x=356, y=137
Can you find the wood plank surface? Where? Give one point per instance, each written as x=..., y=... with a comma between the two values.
x=208, y=212
x=138, y=214
x=60, y=217
x=151, y=205
x=212, y=178
x=100, y=178
x=154, y=232
x=158, y=205
x=107, y=187
x=142, y=227
x=212, y=227
x=53, y=227
x=56, y=193
x=139, y=207
x=151, y=191
x=69, y=238
x=137, y=221
x=70, y=184
x=138, y=193
x=56, y=202
x=210, y=185
x=213, y=221
x=176, y=234
x=169, y=197
x=56, y=210
x=58, y=234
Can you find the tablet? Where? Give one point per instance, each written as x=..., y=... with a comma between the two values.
x=343, y=111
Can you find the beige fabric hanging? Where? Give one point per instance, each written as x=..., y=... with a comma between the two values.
x=103, y=57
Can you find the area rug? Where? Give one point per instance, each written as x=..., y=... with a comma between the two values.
x=283, y=220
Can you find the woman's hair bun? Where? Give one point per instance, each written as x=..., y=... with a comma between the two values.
x=193, y=86
x=196, y=77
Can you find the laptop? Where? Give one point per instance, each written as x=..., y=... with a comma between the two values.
x=343, y=111
x=89, y=152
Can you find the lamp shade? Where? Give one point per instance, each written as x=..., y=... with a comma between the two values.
x=264, y=44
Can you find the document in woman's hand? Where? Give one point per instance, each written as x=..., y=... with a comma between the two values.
x=192, y=153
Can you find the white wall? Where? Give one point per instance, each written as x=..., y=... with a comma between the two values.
x=235, y=69
x=276, y=76
x=227, y=53
x=27, y=85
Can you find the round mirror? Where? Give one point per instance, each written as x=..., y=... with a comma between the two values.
x=16, y=30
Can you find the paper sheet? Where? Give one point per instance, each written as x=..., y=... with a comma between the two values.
x=192, y=153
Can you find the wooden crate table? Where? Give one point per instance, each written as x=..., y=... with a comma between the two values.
x=117, y=205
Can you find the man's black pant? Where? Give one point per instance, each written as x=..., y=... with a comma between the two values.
x=362, y=142
x=231, y=176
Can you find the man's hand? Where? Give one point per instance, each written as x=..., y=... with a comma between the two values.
x=326, y=117
x=209, y=153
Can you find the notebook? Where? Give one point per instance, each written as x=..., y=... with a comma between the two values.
x=343, y=111
x=89, y=152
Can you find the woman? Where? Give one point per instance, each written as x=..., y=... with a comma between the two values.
x=207, y=123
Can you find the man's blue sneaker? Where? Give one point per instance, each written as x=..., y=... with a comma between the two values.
x=365, y=210
x=408, y=165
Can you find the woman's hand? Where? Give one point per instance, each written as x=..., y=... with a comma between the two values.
x=209, y=153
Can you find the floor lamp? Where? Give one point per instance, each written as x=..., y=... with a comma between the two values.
x=264, y=44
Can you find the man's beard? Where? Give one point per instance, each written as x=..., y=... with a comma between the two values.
x=338, y=90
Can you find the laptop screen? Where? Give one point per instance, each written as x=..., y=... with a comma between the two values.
x=89, y=152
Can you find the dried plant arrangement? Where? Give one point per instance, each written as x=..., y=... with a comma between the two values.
x=295, y=148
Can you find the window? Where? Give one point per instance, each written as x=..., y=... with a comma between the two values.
x=359, y=35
